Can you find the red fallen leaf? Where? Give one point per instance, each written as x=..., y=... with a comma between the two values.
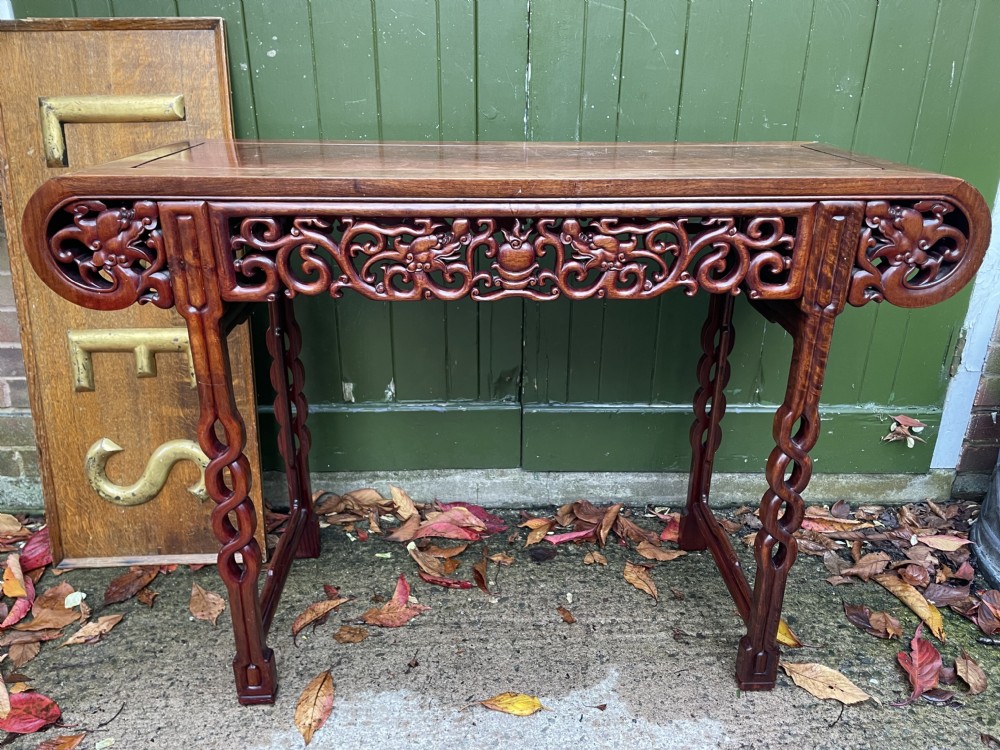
x=63, y=742
x=36, y=553
x=21, y=606
x=479, y=572
x=331, y=592
x=942, y=595
x=965, y=572
x=448, y=583
x=128, y=584
x=915, y=575
x=362, y=535
x=30, y=712
x=494, y=524
x=987, y=615
x=48, y=610
x=397, y=611
x=922, y=665
x=406, y=530
x=672, y=531
x=446, y=529
x=571, y=536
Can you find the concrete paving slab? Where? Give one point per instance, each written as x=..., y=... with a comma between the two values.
x=662, y=670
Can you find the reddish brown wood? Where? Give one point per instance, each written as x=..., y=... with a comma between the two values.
x=799, y=228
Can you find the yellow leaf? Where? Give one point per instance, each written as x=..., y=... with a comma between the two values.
x=592, y=558
x=786, y=637
x=314, y=706
x=516, y=704
x=652, y=552
x=823, y=682
x=13, y=579
x=638, y=576
x=313, y=613
x=914, y=600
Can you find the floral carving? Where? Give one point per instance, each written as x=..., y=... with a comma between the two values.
x=113, y=252
x=491, y=258
x=909, y=254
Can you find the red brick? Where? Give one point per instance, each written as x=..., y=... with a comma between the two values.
x=17, y=388
x=978, y=458
x=988, y=393
x=11, y=362
x=984, y=427
x=10, y=328
x=6, y=290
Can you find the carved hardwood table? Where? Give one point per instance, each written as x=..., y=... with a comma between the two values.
x=212, y=228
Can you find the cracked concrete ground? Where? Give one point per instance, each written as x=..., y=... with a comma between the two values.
x=664, y=670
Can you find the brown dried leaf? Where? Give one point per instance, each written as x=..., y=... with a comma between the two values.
x=878, y=624
x=971, y=673
x=314, y=705
x=592, y=558
x=403, y=503
x=48, y=610
x=915, y=575
x=315, y=614
x=607, y=521
x=405, y=531
x=538, y=528
x=93, y=631
x=942, y=595
x=129, y=583
x=841, y=509
x=566, y=615
x=651, y=552
x=639, y=577
x=63, y=742
x=479, y=572
x=945, y=542
x=502, y=559
x=868, y=566
x=146, y=596
x=21, y=653
x=350, y=634
x=11, y=527
x=428, y=563
x=914, y=600
x=822, y=682
x=397, y=611
x=205, y=605
x=445, y=552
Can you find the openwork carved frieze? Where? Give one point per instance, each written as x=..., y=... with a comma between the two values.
x=910, y=254
x=114, y=253
x=491, y=258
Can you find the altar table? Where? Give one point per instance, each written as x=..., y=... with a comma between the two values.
x=213, y=228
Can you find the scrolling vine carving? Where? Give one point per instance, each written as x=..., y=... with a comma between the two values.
x=907, y=251
x=490, y=258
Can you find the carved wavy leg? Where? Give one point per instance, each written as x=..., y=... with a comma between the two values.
x=222, y=436
x=789, y=467
x=717, y=338
x=301, y=536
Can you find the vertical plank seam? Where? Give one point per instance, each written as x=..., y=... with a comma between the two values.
x=680, y=85
x=378, y=77
x=315, y=69
x=581, y=107
x=890, y=400
x=864, y=80
x=440, y=131
x=621, y=68
x=246, y=48
x=923, y=88
x=475, y=74
x=805, y=72
x=743, y=75
x=527, y=76
x=961, y=84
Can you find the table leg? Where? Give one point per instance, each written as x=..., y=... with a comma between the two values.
x=789, y=467
x=717, y=339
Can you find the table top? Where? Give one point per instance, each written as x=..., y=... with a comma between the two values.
x=505, y=170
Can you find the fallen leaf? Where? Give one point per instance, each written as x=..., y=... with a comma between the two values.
x=651, y=552
x=10, y=526
x=922, y=665
x=494, y=524
x=445, y=552
x=479, y=573
x=448, y=583
x=433, y=566
x=21, y=607
x=21, y=653
x=822, y=682
x=537, y=529
x=592, y=558
x=403, y=502
x=841, y=509
x=14, y=637
x=502, y=559
x=989, y=740
x=397, y=611
x=350, y=634
x=943, y=595
x=571, y=536
x=49, y=610
x=205, y=605
x=786, y=637
x=13, y=578
x=971, y=673
x=610, y=516
x=915, y=601
x=542, y=554
x=868, y=566
x=454, y=523
x=945, y=542
x=63, y=742
x=826, y=524
x=965, y=571
x=566, y=615
x=146, y=596
x=406, y=530
x=672, y=531
x=915, y=575
x=314, y=705
x=878, y=624
x=638, y=576
x=314, y=614
x=30, y=712
x=516, y=704
x=627, y=529
x=92, y=632
x=128, y=584
x=36, y=553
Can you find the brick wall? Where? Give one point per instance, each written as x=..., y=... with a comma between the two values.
x=982, y=440
x=18, y=458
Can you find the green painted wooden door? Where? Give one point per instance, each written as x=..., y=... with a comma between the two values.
x=607, y=385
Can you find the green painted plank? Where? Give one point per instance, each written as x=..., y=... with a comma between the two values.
x=651, y=69
x=281, y=62
x=500, y=370
x=457, y=69
x=546, y=350
x=677, y=347
x=425, y=436
x=149, y=8
x=775, y=58
x=345, y=69
x=649, y=439
x=43, y=8
x=839, y=42
x=971, y=152
x=419, y=362
x=501, y=70
x=245, y=122
x=95, y=9
x=897, y=64
x=945, y=68
x=406, y=40
x=318, y=319
x=627, y=359
x=462, y=354
x=602, y=67
x=586, y=333
x=364, y=333
x=714, y=56
x=556, y=55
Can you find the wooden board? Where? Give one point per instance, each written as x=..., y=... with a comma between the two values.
x=111, y=57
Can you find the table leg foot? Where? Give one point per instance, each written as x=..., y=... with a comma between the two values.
x=256, y=683
x=756, y=669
